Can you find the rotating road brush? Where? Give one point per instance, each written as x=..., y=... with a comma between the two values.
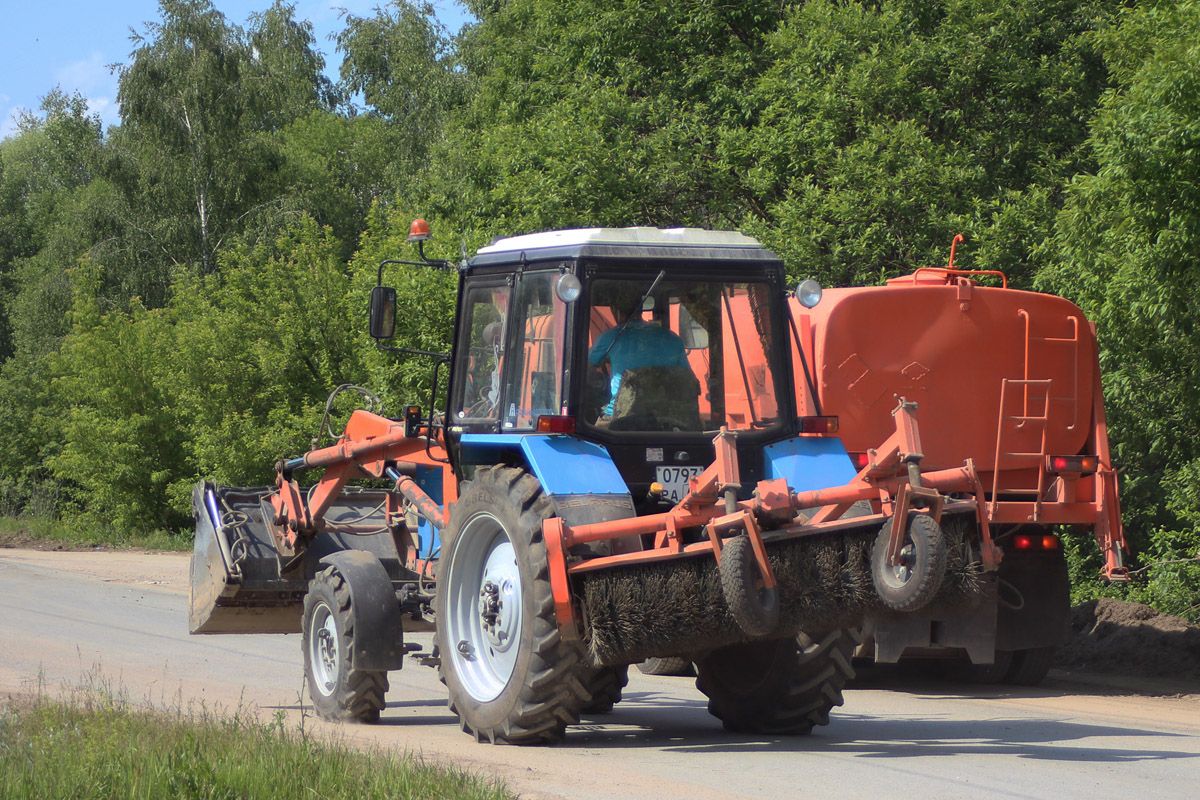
x=676, y=607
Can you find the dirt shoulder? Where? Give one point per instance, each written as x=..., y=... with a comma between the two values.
x=1112, y=637
x=162, y=569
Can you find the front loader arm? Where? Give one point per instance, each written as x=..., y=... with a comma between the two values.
x=372, y=447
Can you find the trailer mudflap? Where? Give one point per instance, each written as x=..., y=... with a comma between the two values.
x=972, y=629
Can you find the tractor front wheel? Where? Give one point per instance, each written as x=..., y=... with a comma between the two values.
x=339, y=692
x=510, y=676
x=781, y=686
x=1030, y=666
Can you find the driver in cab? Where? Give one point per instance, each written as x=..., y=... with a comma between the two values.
x=633, y=343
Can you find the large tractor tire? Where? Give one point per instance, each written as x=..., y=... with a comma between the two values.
x=510, y=676
x=1017, y=667
x=781, y=686
x=605, y=686
x=339, y=693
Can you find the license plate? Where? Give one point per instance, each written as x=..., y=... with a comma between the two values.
x=674, y=481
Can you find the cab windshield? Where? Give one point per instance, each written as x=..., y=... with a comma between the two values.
x=692, y=355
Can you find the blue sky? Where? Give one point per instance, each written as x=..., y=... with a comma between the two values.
x=71, y=44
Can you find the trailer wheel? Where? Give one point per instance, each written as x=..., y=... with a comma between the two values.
x=911, y=584
x=605, y=687
x=339, y=693
x=510, y=676
x=666, y=666
x=754, y=608
x=1030, y=666
x=781, y=686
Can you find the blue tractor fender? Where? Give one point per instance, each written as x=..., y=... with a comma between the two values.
x=579, y=477
x=809, y=462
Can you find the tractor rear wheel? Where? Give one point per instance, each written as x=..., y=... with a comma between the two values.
x=509, y=674
x=781, y=686
x=339, y=693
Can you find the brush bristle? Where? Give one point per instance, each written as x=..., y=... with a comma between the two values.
x=676, y=607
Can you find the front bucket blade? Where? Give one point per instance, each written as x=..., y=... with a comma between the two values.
x=236, y=580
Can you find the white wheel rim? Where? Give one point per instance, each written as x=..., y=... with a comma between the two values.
x=484, y=614
x=323, y=650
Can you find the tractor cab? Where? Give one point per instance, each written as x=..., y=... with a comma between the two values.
x=646, y=342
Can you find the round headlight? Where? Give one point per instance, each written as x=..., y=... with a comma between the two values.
x=808, y=292
x=567, y=287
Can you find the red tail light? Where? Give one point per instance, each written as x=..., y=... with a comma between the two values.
x=1085, y=464
x=555, y=424
x=860, y=460
x=827, y=426
x=1023, y=541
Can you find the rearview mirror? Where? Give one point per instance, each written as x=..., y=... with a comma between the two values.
x=383, y=312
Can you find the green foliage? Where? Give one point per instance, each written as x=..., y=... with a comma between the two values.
x=257, y=349
x=881, y=130
x=337, y=168
x=29, y=436
x=53, y=207
x=198, y=104
x=121, y=439
x=586, y=114
x=1128, y=248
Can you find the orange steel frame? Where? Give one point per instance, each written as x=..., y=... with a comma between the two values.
x=770, y=516
x=368, y=446
x=371, y=444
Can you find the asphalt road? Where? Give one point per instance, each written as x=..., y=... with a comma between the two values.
x=71, y=619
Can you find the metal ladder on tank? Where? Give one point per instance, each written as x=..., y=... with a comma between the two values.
x=1038, y=458
x=1026, y=417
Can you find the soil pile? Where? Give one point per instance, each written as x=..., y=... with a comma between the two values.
x=1131, y=639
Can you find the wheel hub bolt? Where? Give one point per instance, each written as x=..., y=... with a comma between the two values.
x=490, y=605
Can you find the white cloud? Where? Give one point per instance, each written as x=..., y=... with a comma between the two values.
x=92, y=78
x=87, y=76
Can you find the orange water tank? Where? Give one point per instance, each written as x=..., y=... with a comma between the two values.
x=949, y=344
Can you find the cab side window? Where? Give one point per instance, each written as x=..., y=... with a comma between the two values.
x=535, y=379
x=477, y=393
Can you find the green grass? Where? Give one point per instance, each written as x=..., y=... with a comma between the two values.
x=45, y=533
x=90, y=746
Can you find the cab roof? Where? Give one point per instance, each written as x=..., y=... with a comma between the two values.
x=641, y=242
